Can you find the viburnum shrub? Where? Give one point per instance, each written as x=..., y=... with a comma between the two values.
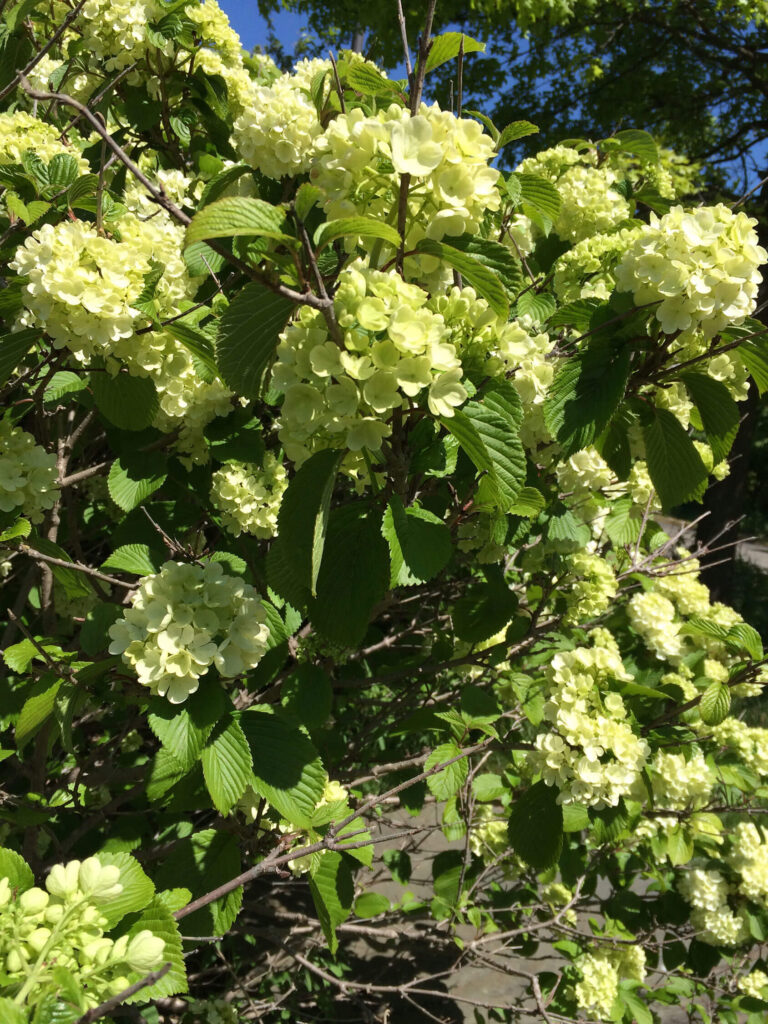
x=332, y=463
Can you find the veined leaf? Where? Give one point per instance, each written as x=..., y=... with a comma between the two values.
x=674, y=465
x=235, y=216
x=639, y=143
x=365, y=227
x=226, y=759
x=536, y=826
x=446, y=46
x=333, y=893
x=719, y=413
x=133, y=478
x=419, y=543
x=485, y=282
x=129, y=402
x=514, y=131
x=248, y=335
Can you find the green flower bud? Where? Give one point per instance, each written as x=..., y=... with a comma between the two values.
x=98, y=880
x=33, y=901
x=63, y=879
x=38, y=939
x=145, y=951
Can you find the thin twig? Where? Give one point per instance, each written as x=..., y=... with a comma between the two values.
x=20, y=76
x=111, y=1004
x=77, y=566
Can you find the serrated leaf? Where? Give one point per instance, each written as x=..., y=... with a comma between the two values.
x=419, y=543
x=133, y=478
x=21, y=528
x=584, y=395
x=85, y=185
x=202, y=260
x=743, y=637
x=485, y=282
x=529, y=503
x=215, y=188
x=198, y=343
x=332, y=892
x=306, y=197
x=719, y=413
x=287, y=769
x=235, y=216
x=353, y=577
x=367, y=80
x=200, y=863
x=365, y=227
x=487, y=787
x=138, y=889
x=613, y=443
x=536, y=827
x=16, y=870
x=715, y=703
x=138, y=559
x=371, y=904
x=449, y=780
x=674, y=465
x=61, y=385
x=484, y=608
x=539, y=306
x=680, y=848
x=577, y=314
x=621, y=525
x=13, y=348
x=500, y=438
x=540, y=195
x=37, y=708
x=158, y=919
x=753, y=352
x=247, y=337
x=183, y=731
x=131, y=403
x=447, y=46
x=497, y=257
x=639, y=143
x=514, y=131
x=18, y=657
x=227, y=761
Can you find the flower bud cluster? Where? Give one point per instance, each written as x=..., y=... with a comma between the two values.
x=22, y=133
x=249, y=496
x=394, y=348
x=700, y=265
x=360, y=160
x=590, y=751
x=28, y=474
x=185, y=619
x=63, y=927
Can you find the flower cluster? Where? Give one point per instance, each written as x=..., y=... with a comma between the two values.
x=653, y=616
x=22, y=133
x=749, y=742
x=63, y=927
x=700, y=265
x=360, y=160
x=601, y=972
x=754, y=984
x=115, y=31
x=28, y=474
x=590, y=751
x=184, y=619
x=587, y=270
x=712, y=918
x=591, y=594
x=249, y=496
x=394, y=348
x=488, y=834
x=749, y=857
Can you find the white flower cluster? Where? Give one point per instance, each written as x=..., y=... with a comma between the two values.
x=593, y=591
x=20, y=133
x=394, y=349
x=711, y=917
x=754, y=984
x=680, y=783
x=700, y=265
x=586, y=270
x=488, y=837
x=115, y=31
x=590, y=752
x=750, y=742
x=749, y=857
x=184, y=619
x=28, y=474
x=64, y=928
x=653, y=616
x=361, y=158
x=601, y=972
x=249, y=496
x=590, y=203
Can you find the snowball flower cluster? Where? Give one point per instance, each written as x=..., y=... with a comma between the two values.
x=594, y=589
x=679, y=783
x=20, y=133
x=249, y=496
x=28, y=474
x=586, y=270
x=115, y=31
x=750, y=742
x=653, y=616
x=754, y=984
x=63, y=927
x=601, y=972
x=184, y=619
x=590, y=751
x=394, y=349
x=749, y=857
x=361, y=158
x=700, y=265
x=713, y=920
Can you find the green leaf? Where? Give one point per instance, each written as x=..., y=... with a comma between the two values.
x=307, y=695
x=184, y=731
x=138, y=889
x=367, y=80
x=715, y=703
x=484, y=608
x=333, y=892
x=37, y=708
x=353, y=577
x=129, y=402
x=138, y=559
x=18, y=657
x=539, y=195
x=449, y=780
x=514, y=131
x=200, y=863
x=287, y=770
x=218, y=185
x=536, y=827
x=529, y=503
x=158, y=919
x=94, y=637
x=371, y=904
x=132, y=478
x=447, y=46
x=639, y=143
x=202, y=260
x=11, y=1013
x=302, y=523
x=497, y=257
x=539, y=306
x=584, y=394
x=235, y=216
x=744, y=638
x=61, y=385
x=419, y=543
x=500, y=439
x=638, y=1011
x=365, y=227
x=21, y=528
x=613, y=443
x=719, y=413
x=485, y=282
x=16, y=870
x=227, y=763
x=674, y=465
x=680, y=848
x=753, y=352
x=85, y=185
x=488, y=787
x=621, y=525
x=198, y=343
x=13, y=348
x=248, y=335
x=577, y=314
x=75, y=584
x=491, y=128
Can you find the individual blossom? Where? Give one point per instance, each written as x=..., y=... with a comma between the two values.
x=185, y=619
x=28, y=474
x=249, y=496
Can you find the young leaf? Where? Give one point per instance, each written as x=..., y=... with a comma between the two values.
x=744, y=638
x=247, y=337
x=138, y=559
x=16, y=870
x=365, y=227
x=366, y=80
x=234, y=216
x=514, y=131
x=447, y=46
x=485, y=282
x=449, y=780
x=536, y=826
x=719, y=413
x=639, y=143
x=227, y=761
x=674, y=465
x=715, y=703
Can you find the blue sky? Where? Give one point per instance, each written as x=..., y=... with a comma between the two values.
x=245, y=18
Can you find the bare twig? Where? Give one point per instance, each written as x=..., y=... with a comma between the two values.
x=77, y=566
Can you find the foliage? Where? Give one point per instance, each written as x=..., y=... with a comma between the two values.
x=329, y=482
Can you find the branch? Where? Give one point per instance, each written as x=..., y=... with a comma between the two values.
x=104, y=1008
x=20, y=76
x=77, y=566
